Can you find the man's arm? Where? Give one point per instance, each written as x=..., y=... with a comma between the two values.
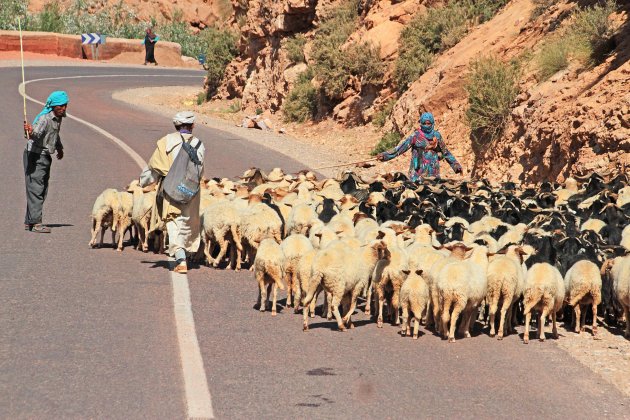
x=398, y=150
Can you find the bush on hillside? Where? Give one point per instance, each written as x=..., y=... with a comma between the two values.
x=221, y=49
x=388, y=141
x=553, y=57
x=492, y=87
x=438, y=30
x=383, y=114
x=301, y=103
x=10, y=10
x=295, y=48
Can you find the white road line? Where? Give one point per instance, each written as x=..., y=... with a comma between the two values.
x=198, y=399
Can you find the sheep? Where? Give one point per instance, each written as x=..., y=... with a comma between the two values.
x=514, y=235
x=221, y=224
x=619, y=269
x=259, y=222
x=414, y=295
x=143, y=201
x=123, y=216
x=623, y=196
x=343, y=271
x=103, y=215
x=543, y=291
x=506, y=276
x=486, y=224
x=457, y=252
x=625, y=238
x=300, y=219
x=583, y=284
x=342, y=225
x=462, y=285
x=390, y=272
x=268, y=272
x=294, y=247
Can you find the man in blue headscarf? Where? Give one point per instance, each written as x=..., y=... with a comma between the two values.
x=427, y=148
x=43, y=141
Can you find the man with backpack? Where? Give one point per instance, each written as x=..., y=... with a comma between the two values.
x=177, y=166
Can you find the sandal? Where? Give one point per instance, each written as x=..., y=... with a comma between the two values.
x=39, y=228
x=181, y=268
x=28, y=226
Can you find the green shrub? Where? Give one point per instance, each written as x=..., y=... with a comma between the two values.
x=540, y=7
x=10, y=10
x=221, y=49
x=388, y=141
x=591, y=33
x=383, y=114
x=50, y=19
x=201, y=98
x=438, y=30
x=235, y=106
x=492, y=87
x=301, y=102
x=295, y=48
x=588, y=39
x=553, y=57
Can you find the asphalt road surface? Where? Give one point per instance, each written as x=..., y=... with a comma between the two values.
x=92, y=334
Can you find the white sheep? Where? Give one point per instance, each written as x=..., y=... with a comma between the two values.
x=625, y=238
x=390, y=273
x=123, y=216
x=462, y=285
x=221, y=224
x=620, y=272
x=583, y=284
x=300, y=219
x=259, y=222
x=294, y=247
x=544, y=291
x=268, y=272
x=343, y=272
x=143, y=201
x=414, y=295
x=103, y=215
x=506, y=277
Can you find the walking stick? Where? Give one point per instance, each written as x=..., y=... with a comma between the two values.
x=22, y=61
x=345, y=164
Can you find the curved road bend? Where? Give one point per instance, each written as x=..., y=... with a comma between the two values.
x=91, y=333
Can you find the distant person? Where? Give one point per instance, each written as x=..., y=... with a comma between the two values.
x=150, y=39
x=43, y=141
x=427, y=148
x=182, y=220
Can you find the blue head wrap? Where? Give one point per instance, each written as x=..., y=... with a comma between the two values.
x=427, y=130
x=57, y=98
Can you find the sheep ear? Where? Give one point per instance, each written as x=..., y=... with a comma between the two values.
x=319, y=235
x=412, y=230
x=288, y=204
x=337, y=232
x=406, y=272
x=380, y=235
x=419, y=272
x=441, y=247
x=441, y=222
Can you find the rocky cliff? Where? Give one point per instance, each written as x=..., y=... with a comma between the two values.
x=576, y=121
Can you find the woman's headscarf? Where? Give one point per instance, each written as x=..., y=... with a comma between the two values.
x=428, y=130
x=57, y=98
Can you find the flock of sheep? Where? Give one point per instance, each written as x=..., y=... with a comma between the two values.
x=435, y=252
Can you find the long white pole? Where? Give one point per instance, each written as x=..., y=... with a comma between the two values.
x=22, y=60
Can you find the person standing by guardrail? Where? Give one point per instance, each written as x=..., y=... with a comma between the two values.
x=150, y=39
x=43, y=141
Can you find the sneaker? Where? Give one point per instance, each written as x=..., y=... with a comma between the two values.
x=39, y=228
x=181, y=268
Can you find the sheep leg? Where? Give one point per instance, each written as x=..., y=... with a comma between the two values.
x=368, y=302
x=541, y=323
x=594, y=327
x=429, y=320
x=121, y=237
x=96, y=228
x=335, y=301
x=298, y=295
x=329, y=306
x=457, y=309
x=626, y=314
x=310, y=299
x=353, y=307
x=506, y=312
x=223, y=244
x=435, y=304
x=417, y=314
x=380, y=293
x=290, y=284
x=274, y=289
x=554, y=328
x=446, y=316
x=492, y=309
x=395, y=305
x=528, y=318
x=405, y=327
x=260, y=278
x=583, y=320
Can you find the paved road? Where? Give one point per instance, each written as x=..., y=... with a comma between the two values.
x=91, y=333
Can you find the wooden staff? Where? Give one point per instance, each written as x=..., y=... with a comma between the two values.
x=344, y=164
x=22, y=61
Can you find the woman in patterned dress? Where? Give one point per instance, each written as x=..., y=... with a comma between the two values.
x=427, y=148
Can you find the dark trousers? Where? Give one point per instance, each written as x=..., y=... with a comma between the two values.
x=36, y=174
